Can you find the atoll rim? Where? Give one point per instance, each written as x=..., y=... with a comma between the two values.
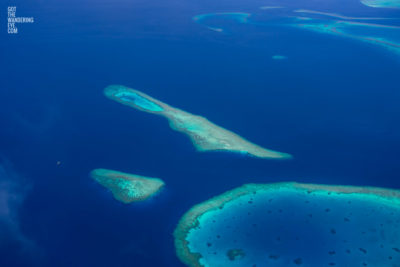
x=292, y=224
x=133, y=98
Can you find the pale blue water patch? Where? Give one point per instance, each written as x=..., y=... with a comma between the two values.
x=382, y=3
x=192, y=127
x=210, y=20
x=279, y=57
x=139, y=101
x=237, y=16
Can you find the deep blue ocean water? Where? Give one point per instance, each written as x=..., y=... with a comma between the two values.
x=333, y=104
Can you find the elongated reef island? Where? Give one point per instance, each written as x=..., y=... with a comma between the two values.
x=292, y=224
x=126, y=187
x=205, y=135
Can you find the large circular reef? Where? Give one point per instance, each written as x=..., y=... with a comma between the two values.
x=293, y=224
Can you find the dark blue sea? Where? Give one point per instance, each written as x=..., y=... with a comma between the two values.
x=333, y=104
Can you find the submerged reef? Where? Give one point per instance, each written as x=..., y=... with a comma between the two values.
x=205, y=135
x=239, y=17
x=270, y=7
x=279, y=57
x=335, y=15
x=127, y=187
x=379, y=34
x=236, y=16
x=386, y=36
x=382, y=3
x=293, y=224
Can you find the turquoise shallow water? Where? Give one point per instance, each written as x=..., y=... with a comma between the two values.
x=287, y=227
x=333, y=104
x=383, y=32
x=139, y=101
